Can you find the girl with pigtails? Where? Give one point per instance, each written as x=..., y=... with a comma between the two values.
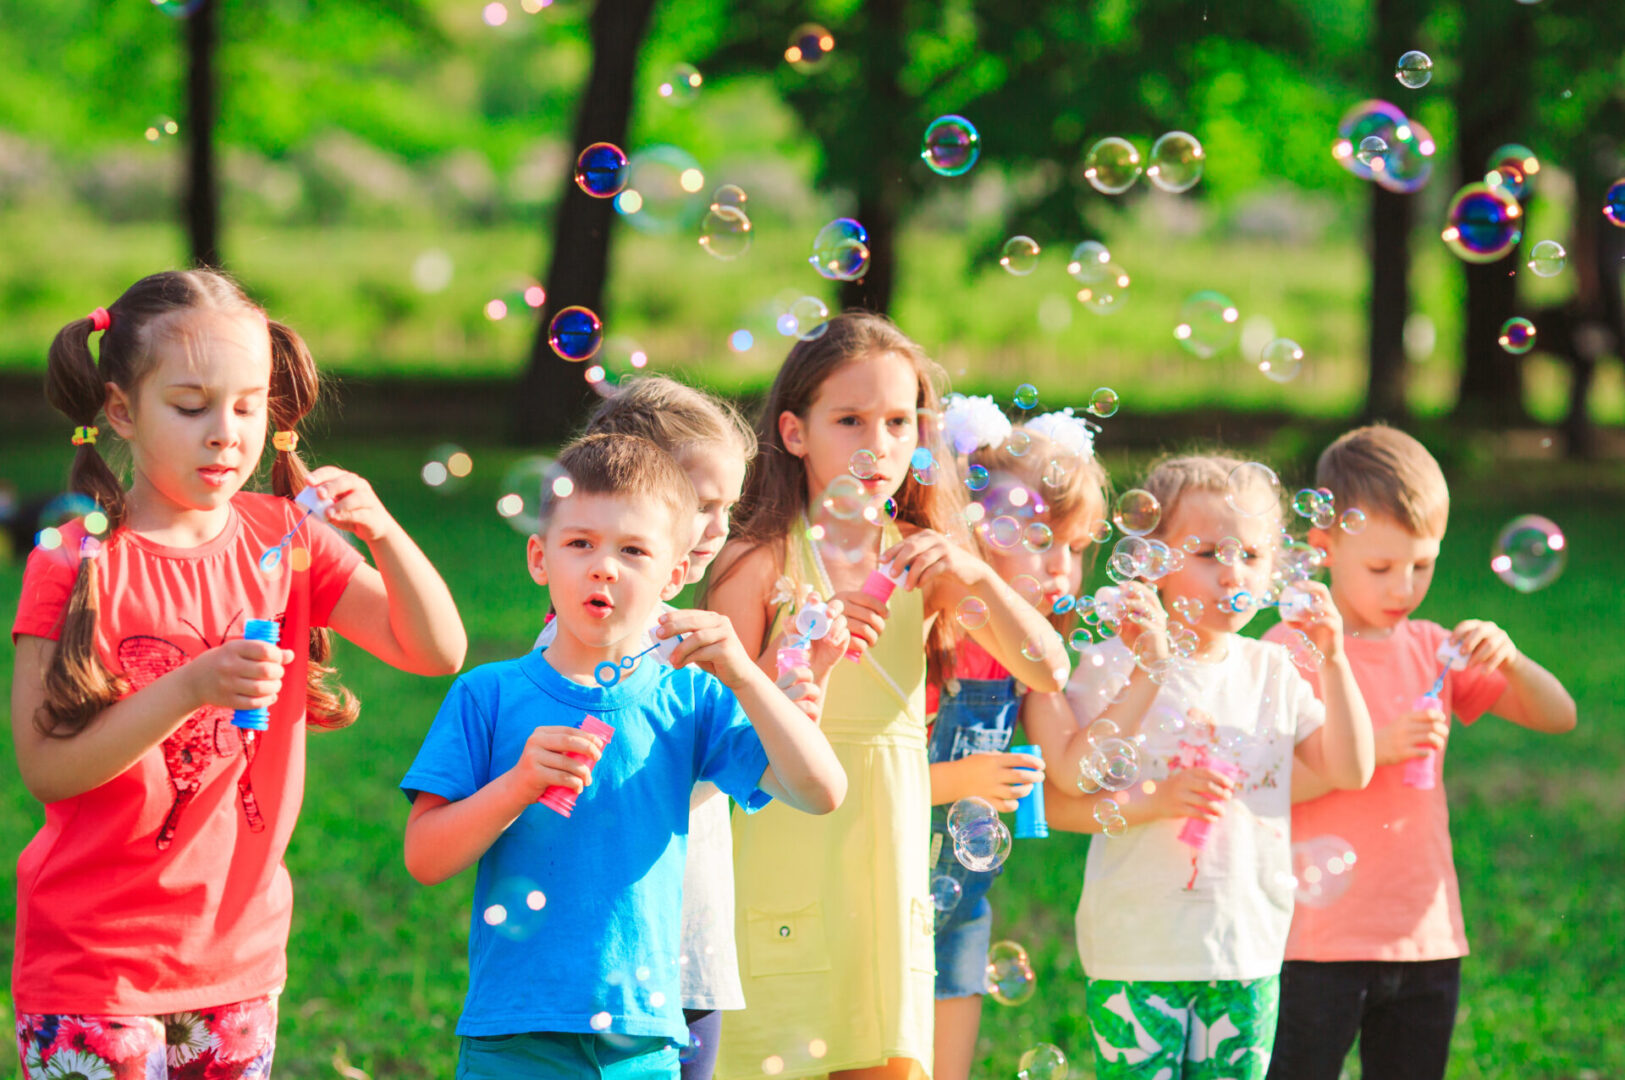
x=153, y=907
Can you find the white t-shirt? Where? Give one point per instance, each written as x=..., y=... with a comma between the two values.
x=1155, y=909
x=709, y=960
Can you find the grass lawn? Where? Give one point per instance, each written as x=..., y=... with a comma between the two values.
x=378, y=962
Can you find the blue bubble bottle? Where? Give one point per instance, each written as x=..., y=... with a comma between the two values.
x=257, y=630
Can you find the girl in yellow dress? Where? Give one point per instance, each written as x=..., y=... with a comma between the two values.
x=833, y=915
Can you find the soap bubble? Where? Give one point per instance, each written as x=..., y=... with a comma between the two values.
x=1019, y=255
x=1353, y=521
x=1176, y=162
x=1517, y=335
x=521, y=493
x=809, y=49
x=446, y=468
x=681, y=85
x=1281, y=360
x=1207, y=323
x=1191, y=545
x=1230, y=551
x=601, y=170
x=976, y=477
x=1035, y=648
x=1548, y=258
x=1373, y=149
x=971, y=613
x=1042, y=1062
x=663, y=191
x=1103, y=402
x=1108, y=294
x=808, y=318
x=1613, y=204
x=1409, y=161
x=951, y=146
x=1018, y=443
x=514, y=908
x=969, y=811
x=1512, y=170
x=690, y=1050
x=1080, y=639
x=1414, y=70
x=982, y=845
x=1114, y=764
x=1112, y=165
x=841, y=250
x=945, y=892
x=1026, y=396
x=1529, y=553
x=864, y=465
x=1100, y=532
x=1089, y=262
x=575, y=334
x=1366, y=120
x=1004, y=532
x=1482, y=223
x=1010, y=978
x=1322, y=870
x=1138, y=512
x=1253, y=489
x=725, y=232
x=1188, y=608
x=1037, y=537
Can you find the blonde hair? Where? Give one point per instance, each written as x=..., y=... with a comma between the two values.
x=604, y=464
x=673, y=416
x=1172, y=478
x=1080, y=488
x=1384, y=471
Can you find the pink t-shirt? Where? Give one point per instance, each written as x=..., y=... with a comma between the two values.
x=1403, y=902
x=163, y=889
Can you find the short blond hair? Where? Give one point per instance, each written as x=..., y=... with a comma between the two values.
x=606, y=464
x=1382, y=470
x=1082, y=485
x=675, y=417
x=1172, y=478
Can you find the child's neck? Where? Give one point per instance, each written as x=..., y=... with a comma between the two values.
x=163, y=521
x=1211, y=645
x=577, y=660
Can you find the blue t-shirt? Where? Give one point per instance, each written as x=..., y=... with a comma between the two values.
x=576, y=923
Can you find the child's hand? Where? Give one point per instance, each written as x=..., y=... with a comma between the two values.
x=238, y=674
x=927, y=556
x=1411, y=735
x=1484, y=644
x=355, y=507
x=1323, y=625
x=1002, y=779
x=826, y=651
x=1197, y=792
x=865, y=619
x=801, y=687
x=709, y=643
x=544, y=762
x=1143, y=620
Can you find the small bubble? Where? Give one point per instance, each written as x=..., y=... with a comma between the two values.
x=601, y=170
x=951, y=146
x=1281, y=360
x=1517, y=335
x=575, y=334
x=1019, y=255
x=1414, y=70
x=1103, y=402
x=1026, y=396
x=1176, y=162
x=1112, y=165
x=971, y=613
x=1548, y=258
x=1353, y=520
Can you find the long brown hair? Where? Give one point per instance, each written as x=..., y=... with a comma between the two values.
x=776, y=485
x=77, y=685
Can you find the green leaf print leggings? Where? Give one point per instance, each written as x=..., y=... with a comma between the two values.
x=1183, y=1030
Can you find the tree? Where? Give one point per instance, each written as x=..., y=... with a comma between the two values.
x=202, y=189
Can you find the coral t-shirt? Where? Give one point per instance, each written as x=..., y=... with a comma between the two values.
x=163, y=889
x=1402, y=902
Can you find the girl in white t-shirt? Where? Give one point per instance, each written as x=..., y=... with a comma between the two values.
x=1181, y=934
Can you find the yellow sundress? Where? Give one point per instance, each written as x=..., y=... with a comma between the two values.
x=832, y=913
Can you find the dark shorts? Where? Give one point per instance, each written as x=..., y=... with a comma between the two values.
x=962, y=954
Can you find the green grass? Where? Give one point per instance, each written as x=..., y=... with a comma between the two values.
x=377, y=963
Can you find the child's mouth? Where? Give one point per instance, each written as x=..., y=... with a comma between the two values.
x=599, y=607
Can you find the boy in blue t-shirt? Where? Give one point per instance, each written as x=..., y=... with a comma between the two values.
x=574, y=953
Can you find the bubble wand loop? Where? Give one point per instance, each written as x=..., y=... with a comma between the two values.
x=315, y=506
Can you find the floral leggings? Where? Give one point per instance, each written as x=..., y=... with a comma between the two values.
x=1221, y=1030
x=230, y=1042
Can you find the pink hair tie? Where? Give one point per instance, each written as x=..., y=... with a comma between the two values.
x=100, y=319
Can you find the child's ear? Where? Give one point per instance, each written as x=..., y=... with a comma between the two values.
x=790, y=430
x=534, y=560
x=1322, y=539
x=119, y=413
x=679, y=578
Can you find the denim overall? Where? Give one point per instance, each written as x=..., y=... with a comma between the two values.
x=979, y=719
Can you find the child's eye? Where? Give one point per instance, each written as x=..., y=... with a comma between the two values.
x=634, y=550
x=184, y=411
x=849, y=421
x=898, y=421
x=578, y=543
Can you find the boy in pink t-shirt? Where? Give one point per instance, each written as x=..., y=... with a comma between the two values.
x=1384, y=962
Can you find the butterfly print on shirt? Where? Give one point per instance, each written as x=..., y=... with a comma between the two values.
x=206, y=734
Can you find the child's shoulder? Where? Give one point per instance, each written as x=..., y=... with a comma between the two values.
x=260, y=506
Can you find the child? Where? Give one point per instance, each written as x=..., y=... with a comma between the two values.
x=608, y=877
x=1181, y=941
x=974, y=724
x=131, y=657
x=834, y=921
x=1384, y=961
x=714, y=446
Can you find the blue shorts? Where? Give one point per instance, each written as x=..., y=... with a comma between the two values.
x=962, y=954
x=566, y=1056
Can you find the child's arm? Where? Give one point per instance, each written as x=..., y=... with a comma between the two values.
x=949, y=573
x=745, y=581
x=1048, y=721
x=802, y=769
x=1001, y=779
x=1533, y=698
x=1198, y=792
x=1340, y=752
x=402, y=611
x=445, y=837
x=237, y=674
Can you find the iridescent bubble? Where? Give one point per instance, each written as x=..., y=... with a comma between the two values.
x=1512, y=170
x=601, y=170
x=1080, y=639
x=1042, y=1062
x=663, y=191
x=1371, y=153
x=1019, y=256
x=1112, y=165
x=1191, y=545
x=1089, y=262
x=1208, y=323
x=1138, y=512
x=1548, y=258
x=1102, y=728
x=520, y=501
x=969, y=811
x=1018, y=443
x=1322, y=870
x=681, y=84
x=841, y=250
x=1230, y=552
x=945, y=892
x=1281, y=360
x=1414, y=70
x=575, y=334
x=809, y=318
x=1103, y=402
x=1483, y=223
x=982, y=845
x=1368, y=119
x=1188, y=608
x=1035, y=648
x=725, y=232
x=1307, y=502
x=1115, y=827
x=1517, y=335
x=809, y=49
x=1108, y=294
x=1010, y=978
x=1353, y=521
x=1026, y=586
x=971, y=613
x=1176, y=162
x=1037, y=537
x=1409, y=161
x=1613, y=204
x=1105, y=809
x=976, y=478
x=1115, y=764
x=1529, y=553
x=1100, y=532
x=1253, y=489
x=951, y=146
x=1004, y=532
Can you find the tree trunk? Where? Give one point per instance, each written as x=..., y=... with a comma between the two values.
x=203, y=192
x=1596, y=314
x=1391, y=216
x=883, y=185
x=553, y=396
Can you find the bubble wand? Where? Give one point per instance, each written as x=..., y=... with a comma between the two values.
x=1419, y=771
x=315, y=506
